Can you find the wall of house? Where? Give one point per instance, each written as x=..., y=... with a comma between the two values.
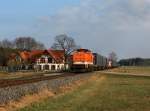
x=48, y=63
x=49, y=66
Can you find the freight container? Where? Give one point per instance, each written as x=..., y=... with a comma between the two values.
x=100, y=62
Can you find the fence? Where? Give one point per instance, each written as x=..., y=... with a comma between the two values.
x=14, y=68
x=3, y=69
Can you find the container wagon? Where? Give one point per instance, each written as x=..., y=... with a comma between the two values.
x=100, y=62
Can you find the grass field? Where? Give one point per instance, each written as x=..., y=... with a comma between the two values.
x=5, y=75
x=132, y=69
x=101, y=93
x=23, y=74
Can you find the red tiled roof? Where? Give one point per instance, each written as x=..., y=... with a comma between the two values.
x=12, y=56
x=36, y=52
x=58, y=55
x=25, y=55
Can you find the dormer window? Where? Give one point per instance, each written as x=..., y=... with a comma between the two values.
x=50, y=60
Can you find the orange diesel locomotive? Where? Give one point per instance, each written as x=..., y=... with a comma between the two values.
x=82, y=60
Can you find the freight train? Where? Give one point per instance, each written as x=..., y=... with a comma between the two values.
x=83, y=60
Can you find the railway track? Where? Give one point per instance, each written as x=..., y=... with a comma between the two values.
x=20, y=81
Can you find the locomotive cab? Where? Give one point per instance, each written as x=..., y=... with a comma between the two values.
x=82, y=60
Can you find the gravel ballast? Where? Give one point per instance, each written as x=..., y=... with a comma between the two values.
x=14, y=93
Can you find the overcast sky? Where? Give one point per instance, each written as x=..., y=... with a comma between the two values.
x=122, y=26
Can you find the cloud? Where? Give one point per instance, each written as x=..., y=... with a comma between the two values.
x=105, y=25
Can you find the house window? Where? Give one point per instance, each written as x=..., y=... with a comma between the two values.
x=42, y=60
x=58, y=67
x=18, y=58
x=53, y=67
x=46, y=67
x=38, y=61
x=49, y=60
x=39, y=67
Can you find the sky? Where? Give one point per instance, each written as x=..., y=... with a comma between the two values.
x=121, y=26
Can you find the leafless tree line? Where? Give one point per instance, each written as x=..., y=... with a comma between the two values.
x=22, y=43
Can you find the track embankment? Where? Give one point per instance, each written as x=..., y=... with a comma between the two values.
x=31, y=79
x=16, y=91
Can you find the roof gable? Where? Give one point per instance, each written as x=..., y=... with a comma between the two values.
x=57, y=55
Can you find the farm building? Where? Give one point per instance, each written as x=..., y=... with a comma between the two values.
x=40, y=60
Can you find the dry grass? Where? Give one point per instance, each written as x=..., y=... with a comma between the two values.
x=5, y=75
x=135, y=70
x=44, y=94
x=102, y=93
x=27, y=100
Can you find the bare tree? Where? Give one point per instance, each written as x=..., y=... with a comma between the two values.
x=28, y=43
x=7, y=44
x=0, y=44
x=63, y=42
x=38, y=46
x=113, y=56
